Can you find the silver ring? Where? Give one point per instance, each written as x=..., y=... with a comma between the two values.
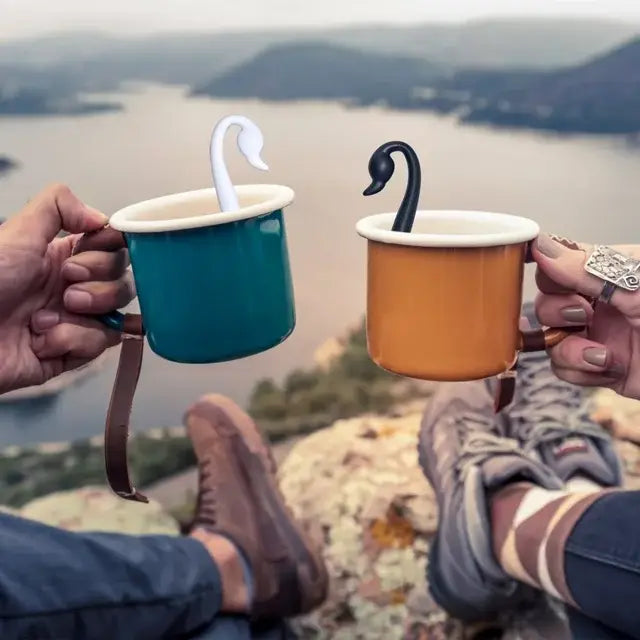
x=615, y=269
x=607, y=291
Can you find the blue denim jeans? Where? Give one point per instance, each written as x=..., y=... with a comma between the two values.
x=59, y=585
x=602, y=568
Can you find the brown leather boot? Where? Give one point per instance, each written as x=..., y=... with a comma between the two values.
x=239, y=498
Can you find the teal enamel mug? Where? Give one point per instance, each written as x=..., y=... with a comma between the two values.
x=212, y=286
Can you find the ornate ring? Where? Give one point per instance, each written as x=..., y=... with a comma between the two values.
x=617, y=270
x=607, y=291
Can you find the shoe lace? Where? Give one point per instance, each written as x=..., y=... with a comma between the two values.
x=479, y=442
x=207, y=494
x=547, y=408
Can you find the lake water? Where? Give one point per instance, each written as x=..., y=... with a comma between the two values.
x=586, y=188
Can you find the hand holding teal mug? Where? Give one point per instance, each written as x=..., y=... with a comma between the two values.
x=212, y=286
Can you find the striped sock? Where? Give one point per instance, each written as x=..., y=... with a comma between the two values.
x=530, y=528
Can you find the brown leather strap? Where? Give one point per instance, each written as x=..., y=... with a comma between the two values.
x=116, y=431
x=116, y=434
x=505, y=389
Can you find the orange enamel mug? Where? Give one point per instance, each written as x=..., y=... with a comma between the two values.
x=443, y=302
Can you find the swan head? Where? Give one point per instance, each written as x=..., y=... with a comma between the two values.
x=381, y=168
x=250, y=143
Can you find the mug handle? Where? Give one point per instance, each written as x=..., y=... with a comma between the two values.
x=543, y=339
x=116, y=431
x=532, y=340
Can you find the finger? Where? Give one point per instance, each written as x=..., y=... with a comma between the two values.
x=96, y=265
x=568, y=310
x=53, y=367
x=45, y=319
x=566, y=268
x=55, y=209
x=100, y=297
x=546, y=285
x=105, y=239
x=580, y=354
x=74, y=340
x=587, y=379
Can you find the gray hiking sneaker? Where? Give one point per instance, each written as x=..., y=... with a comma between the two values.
x=550, y=418
x=465, y=458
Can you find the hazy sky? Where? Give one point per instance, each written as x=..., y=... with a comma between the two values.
x=20, y=18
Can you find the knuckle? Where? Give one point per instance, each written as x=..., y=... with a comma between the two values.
x=124, y=256
x=94, y=342
x=57, y=189
x=117, y=263
x=63, y=336
x=563, y=352
x=102, y=341
x=540, y=303
x=562, y=372
x=128, y=286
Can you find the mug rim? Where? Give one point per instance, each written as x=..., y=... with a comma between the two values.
x=274, y=196
x=517, y=229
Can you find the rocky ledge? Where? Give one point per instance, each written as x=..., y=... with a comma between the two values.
x=97, y=509
x=358, y=489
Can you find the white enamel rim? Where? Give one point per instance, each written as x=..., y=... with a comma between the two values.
x=272, y=197
x=514, y=229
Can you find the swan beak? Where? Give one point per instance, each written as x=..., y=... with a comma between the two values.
x=259, y=163
x=375, y=187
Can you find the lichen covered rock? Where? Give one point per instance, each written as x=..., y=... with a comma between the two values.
x=358, y=487
x=97, y=509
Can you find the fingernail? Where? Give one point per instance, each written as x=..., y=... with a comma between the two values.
x=548, y=247
x=595, y=356
x=77, y=298
x=74, y=271
x=44, y=320
x=575, y=315
x=97, y=215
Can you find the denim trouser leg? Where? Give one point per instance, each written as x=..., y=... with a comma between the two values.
x=223, y=627
x=585, y=628
x=602, y=566
x=237, y=627
x=60, y=585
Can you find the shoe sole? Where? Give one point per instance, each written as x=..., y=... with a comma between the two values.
x=450, y=600
x=311, y=576
x=447, y=599
x=437, y=587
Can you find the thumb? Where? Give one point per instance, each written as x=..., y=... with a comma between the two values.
x=53, y=210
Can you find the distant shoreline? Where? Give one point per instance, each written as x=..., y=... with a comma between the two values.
x=46, y=110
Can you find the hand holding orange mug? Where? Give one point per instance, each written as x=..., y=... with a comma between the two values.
x=443, y=302
x=569, y=276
